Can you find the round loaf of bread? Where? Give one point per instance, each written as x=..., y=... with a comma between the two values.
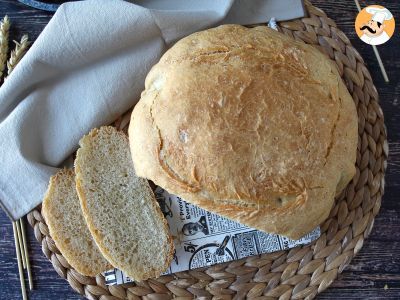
x=249, y=124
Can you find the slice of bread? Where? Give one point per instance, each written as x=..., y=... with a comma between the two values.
x=120, y=208
x=63, y=214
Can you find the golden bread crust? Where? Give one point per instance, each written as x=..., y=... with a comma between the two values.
x=249, y=124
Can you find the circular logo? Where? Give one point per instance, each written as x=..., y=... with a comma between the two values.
x=210, y=254
x=375, y=25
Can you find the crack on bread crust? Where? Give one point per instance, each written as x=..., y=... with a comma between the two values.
x=331, y=141
x=163, y=161
x=216, y=51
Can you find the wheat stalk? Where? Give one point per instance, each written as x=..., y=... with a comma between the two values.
x=17, y=53
x=4, y=30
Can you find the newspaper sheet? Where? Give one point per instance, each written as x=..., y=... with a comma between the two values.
x=203, y=239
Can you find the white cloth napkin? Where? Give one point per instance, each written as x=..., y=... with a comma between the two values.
x=85, y=69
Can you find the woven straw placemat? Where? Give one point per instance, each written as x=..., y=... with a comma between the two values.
x=299, y=273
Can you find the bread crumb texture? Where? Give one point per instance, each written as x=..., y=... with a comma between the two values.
x=67, y=226
x=249, y=124
x=120, y=208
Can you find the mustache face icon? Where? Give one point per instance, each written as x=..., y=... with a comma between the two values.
x=368, y=28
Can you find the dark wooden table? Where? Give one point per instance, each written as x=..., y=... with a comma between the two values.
x=373, y=274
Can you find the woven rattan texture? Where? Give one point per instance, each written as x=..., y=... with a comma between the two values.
x=300, y=273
